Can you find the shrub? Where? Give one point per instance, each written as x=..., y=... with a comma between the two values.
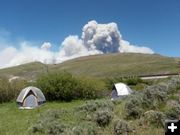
x=89, y=88
x=57, y=86
x=92, y=106
x=52, y=114
x=154, y=95
x=154, y=118
x=173, y=112
x=51, y=123
x=84, y=128
x=99, y=110
x=121, y=127
x=133, y=107
x=173, y=84
x=5, y=93
x=103, y=117
x=64, y=86
x=48, y=127
x=10, y=90
x=17, y=86
x=48, y=123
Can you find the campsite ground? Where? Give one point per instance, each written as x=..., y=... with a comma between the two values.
x=17, y=122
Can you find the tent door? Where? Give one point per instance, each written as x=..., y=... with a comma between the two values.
x=114, y=94
x=30, y=101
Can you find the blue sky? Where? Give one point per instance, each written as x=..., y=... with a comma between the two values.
x=151, y=23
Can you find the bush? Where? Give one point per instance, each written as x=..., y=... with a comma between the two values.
x=103, y=117
x=10, y=90
x=58, y=86
x=17, y=86
x=133, y=107
x=52, y=114
x=94, y=105
x=5, y=90
x=48, y=123
x=154, y=95
x=98, y=110
x=173, y=84
x=49, y=127
x=64, y=86
x=90, y=88
x=154, y=118
x=173, y=112
x=52, y=123
x=84, y=128
x=121, y=127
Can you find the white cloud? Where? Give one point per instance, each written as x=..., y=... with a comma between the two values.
x=46, y=46
x=7, y=55
x=127, y=47
x=96, y=39
x=27, y=53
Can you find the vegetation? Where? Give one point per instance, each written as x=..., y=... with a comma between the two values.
x=121, y=127
x=133, y=107
x=60, y=86
x=105, y=115
x=64, y=86
x=154, y=118
x=10, y=90
x=19, y=122
x=95, y=117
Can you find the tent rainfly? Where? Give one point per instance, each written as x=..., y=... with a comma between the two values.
x=30, y=97
x=120, y=90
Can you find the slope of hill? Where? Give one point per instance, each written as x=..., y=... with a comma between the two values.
x=29, y=71
x=107, y=65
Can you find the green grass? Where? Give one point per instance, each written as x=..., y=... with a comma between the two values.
x=107, y=65
x=25, y=71
x=119, y=64
x=16, y=122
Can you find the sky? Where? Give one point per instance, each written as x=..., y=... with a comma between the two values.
x=150, y=23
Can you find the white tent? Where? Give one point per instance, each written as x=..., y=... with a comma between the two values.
x=120, y=90
x=30, y=97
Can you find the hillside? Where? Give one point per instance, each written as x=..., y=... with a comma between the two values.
x=108, y=65
x=121, y=64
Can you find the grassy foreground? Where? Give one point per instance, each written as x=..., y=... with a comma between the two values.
x=17, y=122
x=141, y=113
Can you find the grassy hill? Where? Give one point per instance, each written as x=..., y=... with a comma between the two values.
x=107, y=65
